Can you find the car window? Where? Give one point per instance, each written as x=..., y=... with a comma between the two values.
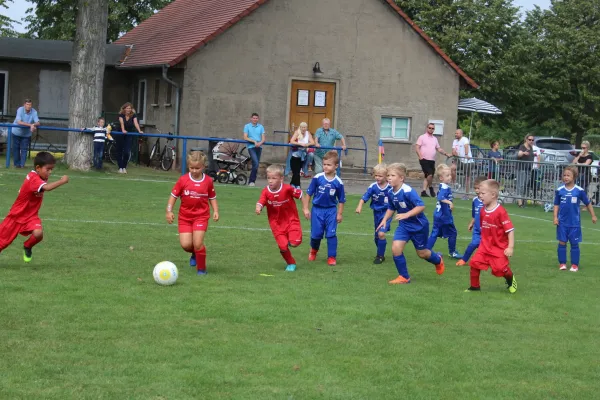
x=554, y=144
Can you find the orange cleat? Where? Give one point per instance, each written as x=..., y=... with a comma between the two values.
x=460, y=263
x=400, y=280
x=312, y=256
x=439, y=268
x=331, y=261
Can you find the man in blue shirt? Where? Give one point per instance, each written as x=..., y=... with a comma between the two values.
x=255, y=134
x=325, y=137
x=21, y=137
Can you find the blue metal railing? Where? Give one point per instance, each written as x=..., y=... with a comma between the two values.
x=356, y=148
x=184, y=140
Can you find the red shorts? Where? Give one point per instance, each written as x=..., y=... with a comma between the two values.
x=483, y=261
x=192, y=225
x=10, y=228
x=293, y=237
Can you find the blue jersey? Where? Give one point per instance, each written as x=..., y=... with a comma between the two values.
x=475, y=210
x=442, y=211
x=567, y=201
x=378, y=196
x=326, y=193
x=404, y=200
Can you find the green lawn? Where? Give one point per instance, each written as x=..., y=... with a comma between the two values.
x=85, y=320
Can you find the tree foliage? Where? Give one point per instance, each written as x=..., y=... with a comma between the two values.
x=55, y=19
x=6, y=24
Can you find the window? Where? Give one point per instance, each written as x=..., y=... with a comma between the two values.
x=156, y=92
x=141, y=101
x=3, y=92
x=169, y=93
x=395, y=128
x=439, y=126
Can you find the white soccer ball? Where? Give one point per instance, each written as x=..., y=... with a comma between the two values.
x=165, y=273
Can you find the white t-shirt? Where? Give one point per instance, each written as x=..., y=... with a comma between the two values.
x=459, y=146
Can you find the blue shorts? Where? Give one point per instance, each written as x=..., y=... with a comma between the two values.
x=571, y=235
x=418, y=238
x=323, y=222
x=378, y=217
x=476, y=239
x=442, y=230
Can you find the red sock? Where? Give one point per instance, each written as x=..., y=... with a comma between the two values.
x=508, y=274
x=32, y=241
x=475, y=277
x=201, y=259
x=287, y=256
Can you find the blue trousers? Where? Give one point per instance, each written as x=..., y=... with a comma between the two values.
x=98, y=154
x=20, y=145
x=255, y=153
x=123, y=149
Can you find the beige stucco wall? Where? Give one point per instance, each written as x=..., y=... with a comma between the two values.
x=381, y=67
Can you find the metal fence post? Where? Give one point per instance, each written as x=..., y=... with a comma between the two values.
x=184, y=157
x=8, y=146
x=339, y=169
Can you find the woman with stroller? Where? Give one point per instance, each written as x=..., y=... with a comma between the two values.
x=303, y=139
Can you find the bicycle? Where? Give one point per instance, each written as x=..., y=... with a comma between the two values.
x=111, y=151
x=164, y=157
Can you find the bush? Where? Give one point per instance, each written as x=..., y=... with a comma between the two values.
x=594, y=141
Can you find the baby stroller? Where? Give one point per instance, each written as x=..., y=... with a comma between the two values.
x=230, y=160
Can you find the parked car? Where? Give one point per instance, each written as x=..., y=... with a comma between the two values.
x=595, y=165
x=552, y=149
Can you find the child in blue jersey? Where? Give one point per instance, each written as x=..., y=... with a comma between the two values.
x=413, y=224
x=327, y=191
x=568, y=219
x=377, y=193
x=443, y=221
x=474, y=225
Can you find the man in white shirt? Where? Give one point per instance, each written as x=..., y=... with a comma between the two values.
x=462, y=150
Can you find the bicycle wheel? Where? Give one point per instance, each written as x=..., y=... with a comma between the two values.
x=223, y=177
x=152, y=154
x=112, y=153
x=168, y=156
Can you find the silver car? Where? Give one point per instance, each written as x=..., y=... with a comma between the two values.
x=554, y=149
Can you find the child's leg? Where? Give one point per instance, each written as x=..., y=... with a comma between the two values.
x=420, y=242
x=475, y=278
x=478, y=263
x=433, y=237
x=9, y=230
x=561, y=236
x=381, y=244
x=471, y=247
x=317, y=228
x=574, y=239
x=36, y=237
x=452, y=234
x=331, y=232
x=199, y=250
x=282, y=242
x=399, y=259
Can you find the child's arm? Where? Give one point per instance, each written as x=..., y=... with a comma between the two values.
x=591, y=210
x=508, y=252
x=339, y=213
x=170, y=215
x=305, y=204
x=388, y=214
x=412, y=213
x=471, y=224
x=215, y=207
x=48, y=187
x=555, y=215
x=361, y=202
x=449, y=203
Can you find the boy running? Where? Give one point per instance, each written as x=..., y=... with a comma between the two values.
x=443, y=221
x=474, y=225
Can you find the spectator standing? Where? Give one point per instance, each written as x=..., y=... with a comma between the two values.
x=461, y=148
x=495, y=156
x=27, y=117
x=426, y=148
x=584, y=158
x=100, y=132
x=302, y=138
x=325, y=136
x=254, y=133
x=526, y=155
x=129, y=123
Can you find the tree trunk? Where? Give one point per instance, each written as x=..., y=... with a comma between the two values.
x=87, y=76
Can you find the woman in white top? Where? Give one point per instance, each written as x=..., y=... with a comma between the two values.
x=303, y=139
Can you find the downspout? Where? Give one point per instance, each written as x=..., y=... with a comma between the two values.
x=165, y=68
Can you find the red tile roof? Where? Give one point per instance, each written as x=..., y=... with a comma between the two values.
x=184, y=26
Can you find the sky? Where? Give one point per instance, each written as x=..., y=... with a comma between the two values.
x=16, y=9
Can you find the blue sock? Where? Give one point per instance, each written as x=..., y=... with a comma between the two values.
x=332, y=246
x=469, y=251
x=315, y=243
x=381, y=244
x=575, y=253
x=434, y=258
x=431, y=242
x=562, y=253
x=400, y=262
x=452, y=244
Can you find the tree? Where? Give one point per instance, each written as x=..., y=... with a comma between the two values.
x=87, y=76
x=6, y=24
x=54, y=19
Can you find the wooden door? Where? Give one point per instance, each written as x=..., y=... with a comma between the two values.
x=310, y=103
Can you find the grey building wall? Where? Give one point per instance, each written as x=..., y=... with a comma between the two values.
x=381, y=67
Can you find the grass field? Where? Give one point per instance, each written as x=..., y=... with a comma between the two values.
x=85, y=320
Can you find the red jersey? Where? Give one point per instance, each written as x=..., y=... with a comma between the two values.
x=495, y=225
x=281, y=206
x=29, y=200
x=194, y=196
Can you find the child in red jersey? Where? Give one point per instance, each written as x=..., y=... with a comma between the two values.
x=23, y=215
x=497, y=239
x=196, y=191
x=283, y=214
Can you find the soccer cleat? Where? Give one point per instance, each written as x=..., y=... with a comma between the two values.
x=312, y=256
x=27, y=254
x=460, y=263
x=400, y=280
x=472, y=289
x=331, y=261
x=424, y=194
x=291, y=268
x=562, y=267
x=456, y=254
x=439, y=268
x=193, y=260
x=574, y=268
x=378, y=259
x=512, y=286
x=201, y=272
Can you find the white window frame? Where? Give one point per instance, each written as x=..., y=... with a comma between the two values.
x=4, y=110
x=439, y=126
x=138, y=108
x=394, y=118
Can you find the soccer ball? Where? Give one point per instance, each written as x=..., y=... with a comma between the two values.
x=165, y=273
x=548, y=207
